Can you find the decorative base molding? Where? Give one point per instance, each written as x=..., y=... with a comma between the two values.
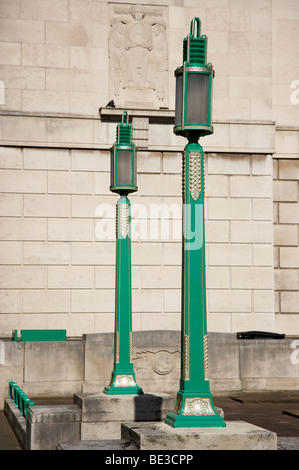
x=194, y=411
x=122, y=384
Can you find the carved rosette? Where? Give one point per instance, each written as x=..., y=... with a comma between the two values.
x=124, y=381
x=198, y=407
x=163, y=363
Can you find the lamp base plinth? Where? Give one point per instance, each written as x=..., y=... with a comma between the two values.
x=122, y=384
x=194, y=411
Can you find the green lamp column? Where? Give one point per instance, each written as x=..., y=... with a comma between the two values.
x=123, y=182
x=194, y=405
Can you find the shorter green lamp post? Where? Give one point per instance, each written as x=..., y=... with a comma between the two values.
x=123, y=182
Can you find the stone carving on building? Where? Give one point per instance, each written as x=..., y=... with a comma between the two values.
x=138, y=56
x=160, y=362
x=163, y=363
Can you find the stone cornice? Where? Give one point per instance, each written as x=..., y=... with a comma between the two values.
x=152, y=130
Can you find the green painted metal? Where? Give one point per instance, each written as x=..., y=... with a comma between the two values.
x=11, y=389
x=123, y=380
x=43, y=335
x=123, y=144
x=124, y=131
x=194, y=405
x=195, y=46
x=194, y=63
x=18, y=397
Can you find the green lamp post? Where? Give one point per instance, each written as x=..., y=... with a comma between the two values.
x=194, y=405
x=123, y=182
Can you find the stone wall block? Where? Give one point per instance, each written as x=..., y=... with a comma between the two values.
x=18, y=30
x=289, y=257
x=289, y=213
x=231, y=209
x=44, y=205
x=258, y=186
x=289, y=170
x=226, y=165
x=39, y=253
x=251, y=232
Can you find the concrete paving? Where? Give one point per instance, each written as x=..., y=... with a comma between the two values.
x=8, y=440
x=267, y=410
x=236, y=435
x=277, y=412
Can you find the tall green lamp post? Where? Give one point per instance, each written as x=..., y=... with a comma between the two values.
x=123, y=182
x=194, y=405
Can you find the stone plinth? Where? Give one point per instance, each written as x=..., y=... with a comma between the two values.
x=105, y=445
x=237, y=435
x=47, y=424
x=103, y=414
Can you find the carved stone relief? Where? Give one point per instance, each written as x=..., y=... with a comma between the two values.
x=160, y=362
x=163, y=363
x=138, y=56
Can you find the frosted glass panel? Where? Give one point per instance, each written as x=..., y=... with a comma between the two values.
x=178, y=100
x=198, y=98
x=124, y=167
x=111, y=168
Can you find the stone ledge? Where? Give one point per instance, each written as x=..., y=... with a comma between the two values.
x=237, y=435
x=123, y=407
x=112, y=444
x=45, y=425
x=283, y=443
x=16, y=421
x=103, y=414
x=54, y=414
x=154, y=115
x=90, y=132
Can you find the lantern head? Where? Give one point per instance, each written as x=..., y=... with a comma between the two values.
x=123, y=160
x=193, y=103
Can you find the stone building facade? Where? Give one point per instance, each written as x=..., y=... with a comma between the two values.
x=62, y=61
